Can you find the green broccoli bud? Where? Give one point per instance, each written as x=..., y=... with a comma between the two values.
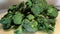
x=52, y=12
x=17, y=18
x=6, y=21
x=30, y=26
x=18, y=30
x=30, y=17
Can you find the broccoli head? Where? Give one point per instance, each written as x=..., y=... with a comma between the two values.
x=52, y=12
x=30, y=26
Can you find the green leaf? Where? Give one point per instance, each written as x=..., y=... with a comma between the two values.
x=17, y=18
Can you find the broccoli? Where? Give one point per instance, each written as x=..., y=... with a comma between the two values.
x=36, y=11
x=30, y=16
x=30, y=26
x=11, y=8
x=17, y=18
x=6, y=21
x=18, y=30
x=52, y=12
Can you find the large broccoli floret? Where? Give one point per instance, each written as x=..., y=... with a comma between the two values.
x=17, y=18
x=6, y=21
x=40, y=6
x=52, y=12
x=30, y=26
x=44, y=23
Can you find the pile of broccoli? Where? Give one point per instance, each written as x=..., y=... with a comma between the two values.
x=30, y=16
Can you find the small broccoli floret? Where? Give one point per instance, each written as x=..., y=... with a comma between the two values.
x=18, y=30
x=12, y=7
x=30, y=17
x=51, y=22
x=29, y=3
x=41, y=20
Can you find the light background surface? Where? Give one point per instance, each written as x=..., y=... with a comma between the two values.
x=4, y=4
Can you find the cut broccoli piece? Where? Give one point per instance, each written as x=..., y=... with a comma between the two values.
x=51, y=21
x=36, y=10
x=45, y=24
x=30, y=17
x=38, y=6
x=52, y=12
x=18, y=30
x=17, y=18
x=6, y=21
x=12, y=8
x=41, y=20
x=30, y=26
x=29, y=3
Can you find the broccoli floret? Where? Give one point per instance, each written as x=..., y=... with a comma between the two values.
x=52, y=12
x=29, y=3
x=36, y=10
x=18, y=30
x=39, y=6
x=17, y=18
x=41, y=20
x=12, y=7
x=30, y=26
x=6, y=21
x=30, y=17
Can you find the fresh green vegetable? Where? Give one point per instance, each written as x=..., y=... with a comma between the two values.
x=30, y=16
x=12, y=7
x=52, y=12
x=38, y=6
x=17, y=18
x=30, y=26
x=35, y=11
x=18, y=30
x=6, y=21
x=29, y=3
